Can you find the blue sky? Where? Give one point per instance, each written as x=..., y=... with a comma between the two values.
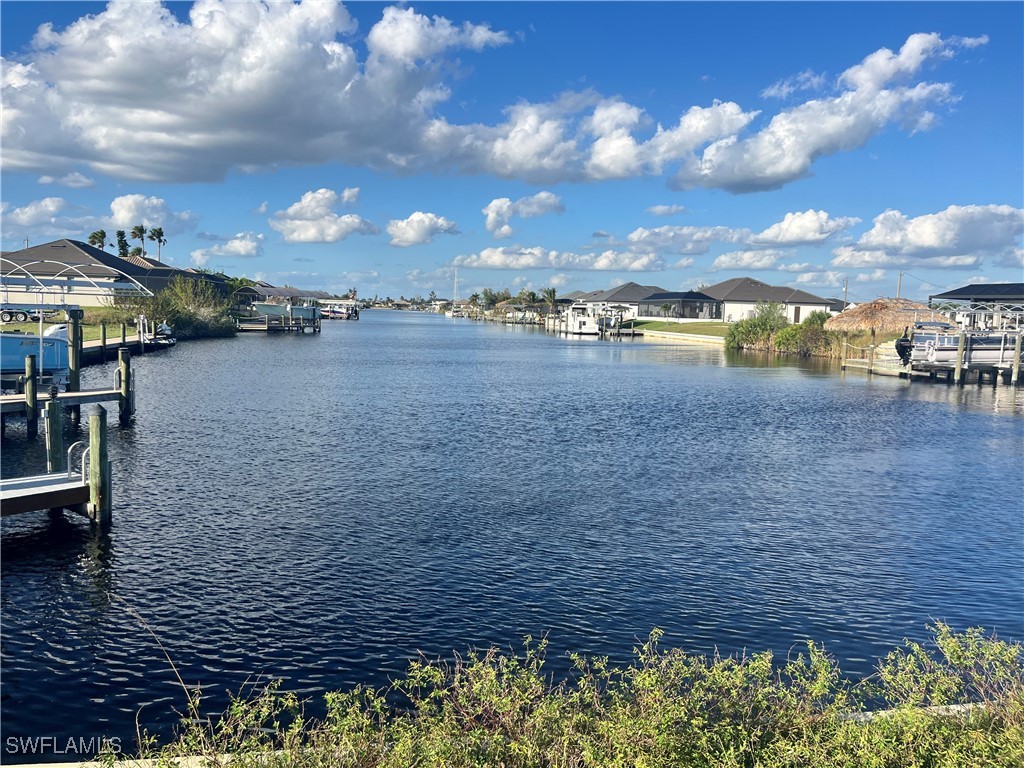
x=580, y=145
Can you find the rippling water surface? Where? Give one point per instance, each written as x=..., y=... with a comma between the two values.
x=323, y=508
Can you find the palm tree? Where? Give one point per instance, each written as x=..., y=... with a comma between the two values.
x=528, y=297
x=156, y=234
x=550, y=295
x=139, y=233
x=98, y=239
x=122, y=244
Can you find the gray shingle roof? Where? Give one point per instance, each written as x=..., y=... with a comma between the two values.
x=749, y=290
x=627, y=293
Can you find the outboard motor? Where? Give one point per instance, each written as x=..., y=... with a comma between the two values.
x=58, y=331
x=904, y=346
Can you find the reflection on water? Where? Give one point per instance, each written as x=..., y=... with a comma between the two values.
x=321, y=508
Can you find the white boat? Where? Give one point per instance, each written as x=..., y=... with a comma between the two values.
x=937, y=345
x=294, y=311
x=455, y=311
x=339, y=309
x=579, y=322
x=50, y=349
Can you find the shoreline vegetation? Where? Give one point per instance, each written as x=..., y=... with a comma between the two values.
x=195, y=310
x=955, y=701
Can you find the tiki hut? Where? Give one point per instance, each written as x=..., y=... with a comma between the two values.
x=883, y=316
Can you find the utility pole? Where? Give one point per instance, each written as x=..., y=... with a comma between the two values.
x=899, y=285
x=846, y=291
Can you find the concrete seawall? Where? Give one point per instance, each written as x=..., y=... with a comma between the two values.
x=685, y=338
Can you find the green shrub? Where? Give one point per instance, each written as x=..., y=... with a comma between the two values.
x=667, y=708
x=756, y=332
x=193, y=308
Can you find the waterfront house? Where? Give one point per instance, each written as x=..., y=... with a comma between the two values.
x=683, y=306
x=75, y=273
x=740, y=296
x=622, y=301
x=261, y=291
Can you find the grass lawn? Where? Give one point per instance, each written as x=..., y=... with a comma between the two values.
x=701, y=329
x=89, y=332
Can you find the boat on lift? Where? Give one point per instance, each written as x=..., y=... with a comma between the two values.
x=937, y=345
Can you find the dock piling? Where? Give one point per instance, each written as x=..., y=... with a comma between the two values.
x=103, y=342
x=1015, y=368
x=958, y=370
x=75, y=359
x=99, y=469
x=125, y=402
x=31, y=400
x=54, y=434
x=124, y=334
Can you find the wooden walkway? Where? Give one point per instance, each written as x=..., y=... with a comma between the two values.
x=16, y=403
x=276, y=324
x=54, y=491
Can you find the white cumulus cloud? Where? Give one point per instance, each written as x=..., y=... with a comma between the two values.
x=825, y=279
x=740, y=260
x=312, y=220
x=35, y=213
x=499, y=212
x=874, y=276
x=244, y=244
x=807, y=228
x=128, y=211
x=249, y=86
x=419, y=228
x=877, y=95
x=684, y=240
x=406, y=36
x=959, y=236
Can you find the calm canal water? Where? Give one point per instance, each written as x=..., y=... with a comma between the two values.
x=323, y=508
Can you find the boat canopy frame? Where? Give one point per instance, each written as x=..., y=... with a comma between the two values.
x=68, y=279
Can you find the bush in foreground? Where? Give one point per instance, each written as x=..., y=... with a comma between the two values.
x=667, y=708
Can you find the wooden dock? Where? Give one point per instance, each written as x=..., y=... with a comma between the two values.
x=882, y=360
x=86, y=490
x=277, y=324
x=17, y=403
x=31, y=401
x=51, y=491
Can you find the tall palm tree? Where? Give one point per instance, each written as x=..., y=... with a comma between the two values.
x=98, y=239
x=139, y=233
x=550, y=295
x=156, y=234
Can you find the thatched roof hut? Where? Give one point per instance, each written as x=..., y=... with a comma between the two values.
x=883, y=316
